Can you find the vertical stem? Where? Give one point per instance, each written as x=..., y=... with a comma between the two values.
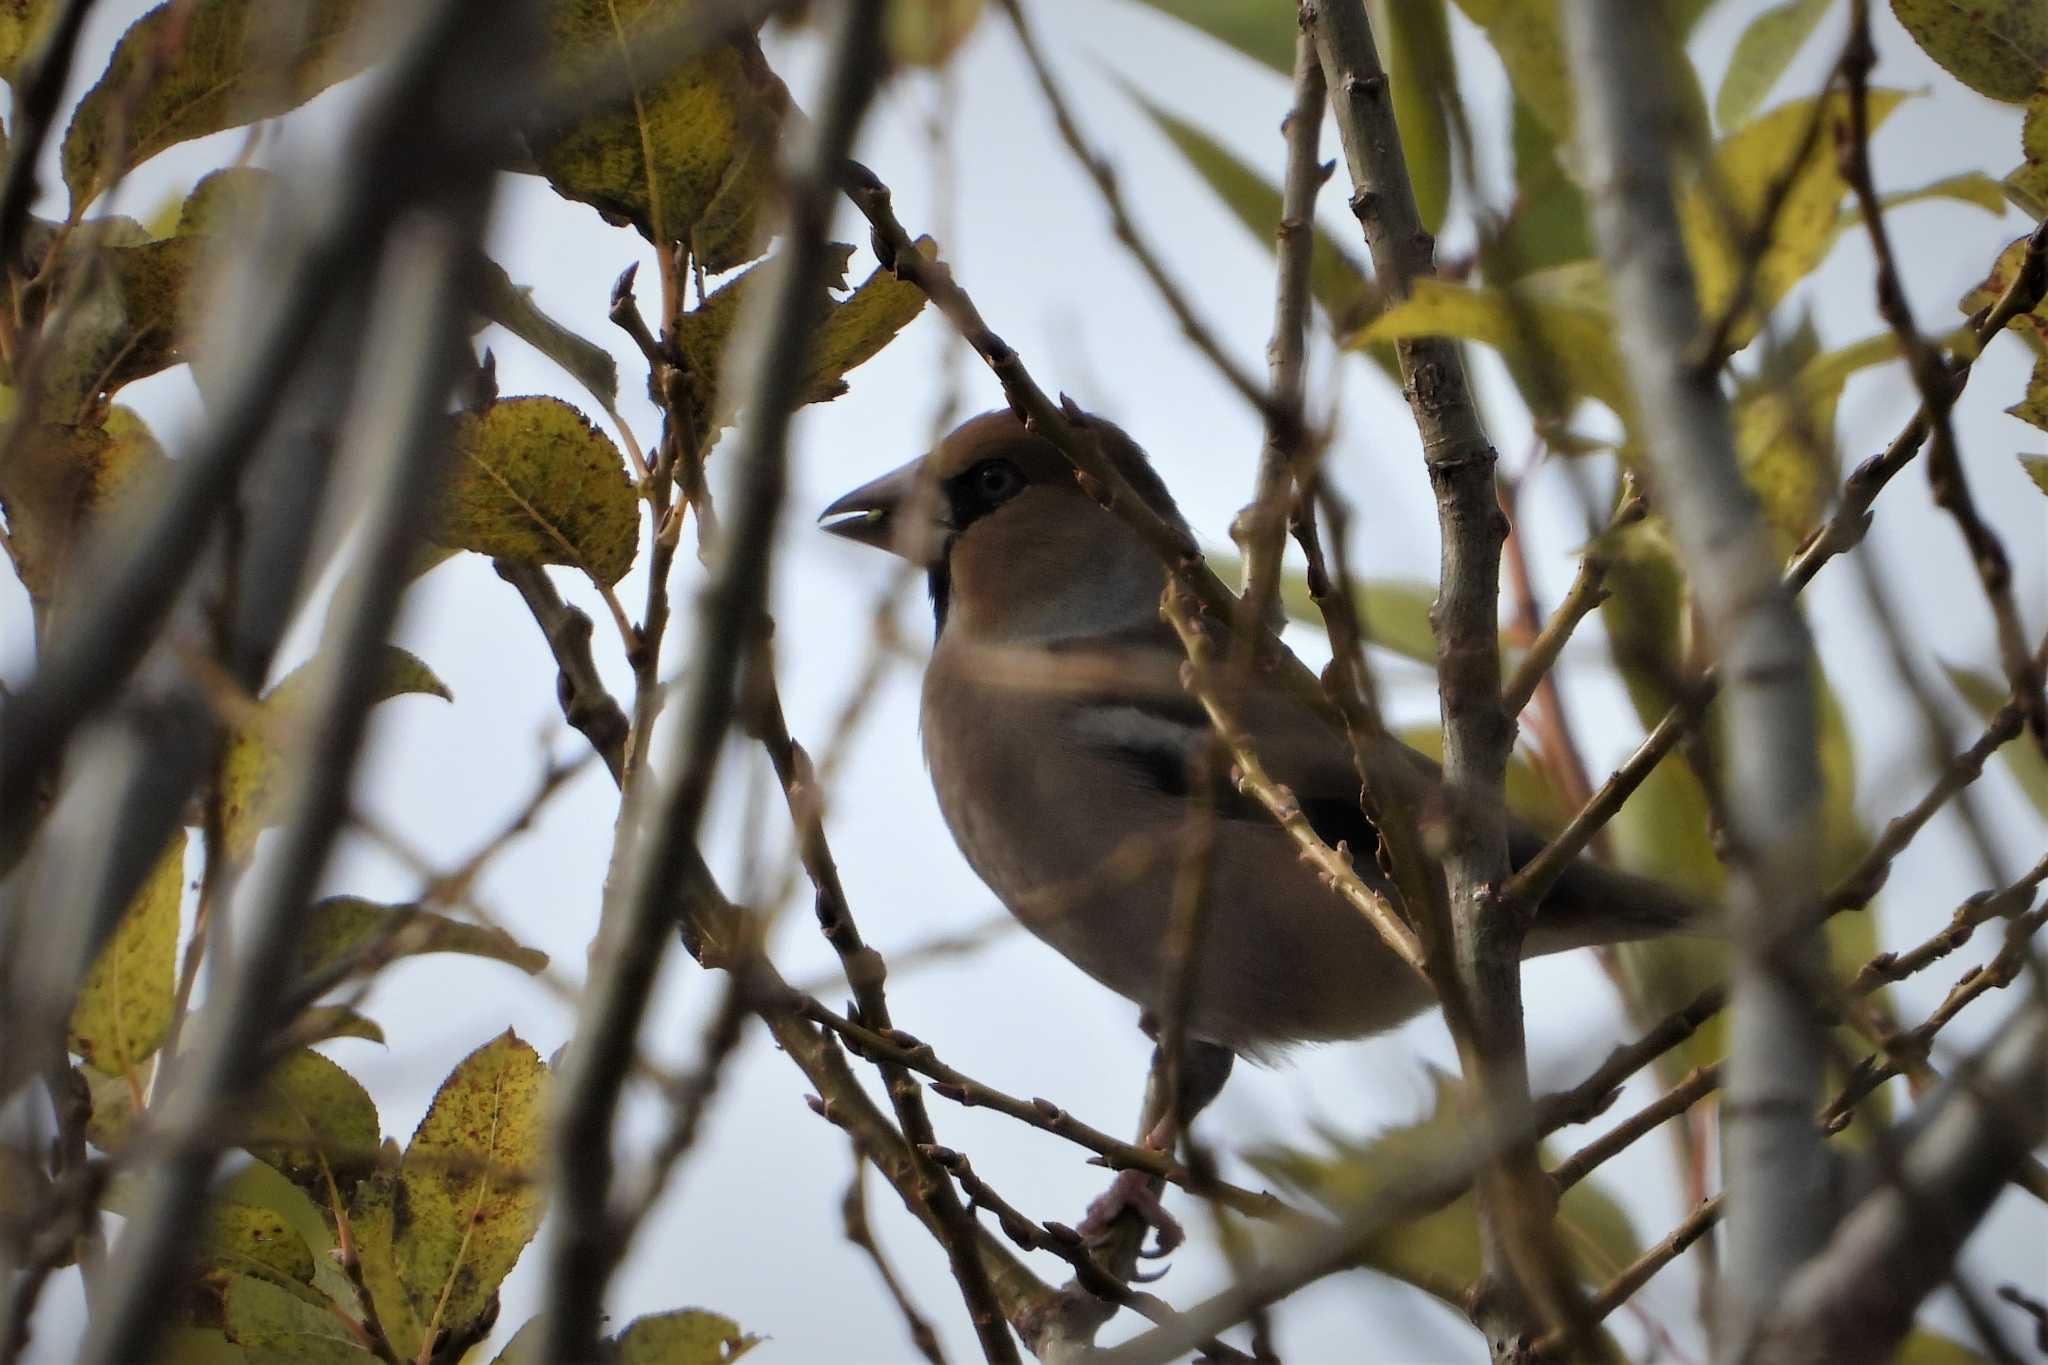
x=1481, y=981
x=1776, y=1167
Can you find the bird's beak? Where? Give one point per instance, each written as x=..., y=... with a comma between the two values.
x=898, y=512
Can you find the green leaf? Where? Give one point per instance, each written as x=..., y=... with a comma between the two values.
x=1415, y=45
x=849, y=332
x=1526, y=36
x=1336, y=280
x=1548, y=225
x=1438, y=1252
x=1998, y=48
x=235, y=62
x=273, y=1324
x=532, y=480
x=524, y=1346
x=263, y=1186
x=314, y=1123
x=1987, y=695
x=1557, y=343
x=123, y=1008
x=469, y=1186
x=366, y=935
x=2032, y=327
x=2033, y=404
x=323, y=1023
x=2028, y=185
x=927, y=32
x=1716, y=214
x=373, y=1219
x=1761, y=55
x=2036, y=467
x=1393, y=612
x=60, y=481
x=257, y=758
x=1530, y=795
x=513, y=308
x=248, y=1239
x=182, y=1345
x=691, y=159
x=686, y=1336
x=114, y=1107
x=1261, y=31
x=23, y=25
x=1923, y=1347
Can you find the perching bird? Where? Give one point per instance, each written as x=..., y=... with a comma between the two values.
x=1063, y=749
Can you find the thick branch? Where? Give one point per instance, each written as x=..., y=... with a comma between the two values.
x=1778, y=1207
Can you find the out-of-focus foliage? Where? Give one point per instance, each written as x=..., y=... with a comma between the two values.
x=1761, y=55
x=1996, y=47
x=687, y=1336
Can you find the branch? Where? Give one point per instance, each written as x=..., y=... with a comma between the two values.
x=412, y=349
x=1777, y=1166
x=1523, y=1272
x=586, y=705
x=1856, y=1299
x=657, y=840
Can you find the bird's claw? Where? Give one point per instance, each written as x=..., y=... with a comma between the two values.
x=1131, y=1192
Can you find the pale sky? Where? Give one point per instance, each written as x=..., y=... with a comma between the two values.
x=751, y=1228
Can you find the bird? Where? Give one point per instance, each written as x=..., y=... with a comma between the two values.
x=1065, y=754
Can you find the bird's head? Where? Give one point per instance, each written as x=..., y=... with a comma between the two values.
x=1012, y=545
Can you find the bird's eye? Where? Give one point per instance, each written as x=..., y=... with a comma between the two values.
x=997, y=481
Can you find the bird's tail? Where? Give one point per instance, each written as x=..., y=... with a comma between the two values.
x=1591, y=904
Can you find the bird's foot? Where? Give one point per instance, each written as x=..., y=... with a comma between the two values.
x=1131, y=1192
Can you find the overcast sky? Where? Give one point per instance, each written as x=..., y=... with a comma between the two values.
x=752, y=1226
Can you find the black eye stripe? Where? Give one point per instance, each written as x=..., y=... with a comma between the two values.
x=975, y=492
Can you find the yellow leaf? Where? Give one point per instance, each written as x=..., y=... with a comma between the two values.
x=124, y=1007
x=1718, y=211
x=1996, y=47
x=531, y=479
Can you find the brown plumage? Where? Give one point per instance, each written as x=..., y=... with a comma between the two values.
x=1061, y=744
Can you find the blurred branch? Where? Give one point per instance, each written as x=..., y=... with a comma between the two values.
x=1856, y=1299
x=1587, y=592
x=415, y=339
x=658, y=830
x=37, y=92
x=853, y=1209
x=1779, y=1209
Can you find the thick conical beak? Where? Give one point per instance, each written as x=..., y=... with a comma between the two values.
x=898, y=512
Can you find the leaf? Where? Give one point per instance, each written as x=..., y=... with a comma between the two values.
x=532, y=480
x=690, y=159
x=1559, y=348
x=1761, y=55
x=273, y=1324
x=373, y=1218
x=1393, y=612
x=58, y=484
x=123, y=1008
x=1718, y=212
x=2028, y=185
x=261, y=1185
x=1530, y=795
x=1525, y=34
x=2033, y=404
x=248, y=1239
x=469, y=1187
x=324, y=1023
x=235, y=62
x=513, y=308
x=256, y=758
x=182, y=1345
x=366, y=935
x=23, y=25
x=1438, y=1252
x=1924, y=1347
x=1336, y=280
x=1261, y=31
x=2032, y=327
x=314, y=1123
x=927, y=32
x=114, y=1107
x=1415, y=45
x=1548, y=224
x=1987, y=695
x=686, y=1336
x=2036, y=466
x=849, y=332
x=1998, y=48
